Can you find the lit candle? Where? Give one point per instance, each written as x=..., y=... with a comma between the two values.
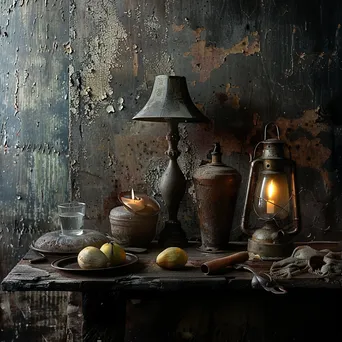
x=134, y=203
x=270, y=193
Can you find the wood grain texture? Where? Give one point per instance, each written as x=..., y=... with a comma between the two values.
x=33, y=316
x=234, y=316
x=146, y=278
x=104, y=317
x=187, y=305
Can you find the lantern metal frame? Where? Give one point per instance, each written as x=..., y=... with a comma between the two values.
x=270, y=242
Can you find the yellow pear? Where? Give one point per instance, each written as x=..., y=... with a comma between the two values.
x=91, y=257
x=115, y=254
x=172, y=258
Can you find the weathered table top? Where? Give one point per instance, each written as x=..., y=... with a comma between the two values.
x=145, y=276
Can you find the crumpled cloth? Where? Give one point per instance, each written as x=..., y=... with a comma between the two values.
x=305, y=259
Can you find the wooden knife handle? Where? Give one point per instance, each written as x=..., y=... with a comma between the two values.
x=218, y=265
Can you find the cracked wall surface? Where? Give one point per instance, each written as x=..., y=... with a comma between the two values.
x=33, y=153
x=246, y=65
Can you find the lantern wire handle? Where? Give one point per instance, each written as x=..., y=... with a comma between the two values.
x=265, y=136
x=276, y=127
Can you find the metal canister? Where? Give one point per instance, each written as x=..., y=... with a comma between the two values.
x=133, y=226
x=216, y=189
x=132, y=230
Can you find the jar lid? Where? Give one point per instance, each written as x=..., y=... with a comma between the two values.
x=216, y=168
x=139, y=203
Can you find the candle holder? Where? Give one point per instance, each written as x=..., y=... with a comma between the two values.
x=271, y=193
x=134, y=203
x=170, y=102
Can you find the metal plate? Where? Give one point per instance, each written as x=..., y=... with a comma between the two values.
x=69, y=264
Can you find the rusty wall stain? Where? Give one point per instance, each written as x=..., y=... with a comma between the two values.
x=309, y=121
x=308, y=151
x=206, y=58
x=178, y=28
x=230, y=97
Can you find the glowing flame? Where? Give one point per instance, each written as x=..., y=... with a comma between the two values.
x=132, y=192
x=270, y=189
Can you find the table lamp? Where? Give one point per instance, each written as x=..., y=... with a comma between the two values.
x=170, y=102
x=271, y=193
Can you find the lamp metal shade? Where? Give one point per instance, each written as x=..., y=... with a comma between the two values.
x=170, y=99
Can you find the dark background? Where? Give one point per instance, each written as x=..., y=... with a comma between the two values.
x=247, y=62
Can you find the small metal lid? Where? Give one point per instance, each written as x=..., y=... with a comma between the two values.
x=143, y=205
x=273, y=141
x=122, y=213
x=216, y=168
x=216, y=155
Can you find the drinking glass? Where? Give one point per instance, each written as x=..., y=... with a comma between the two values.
x=71, y=217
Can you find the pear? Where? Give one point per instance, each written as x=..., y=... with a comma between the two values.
x=91, y=257
x=172, y=258
x=115, y=254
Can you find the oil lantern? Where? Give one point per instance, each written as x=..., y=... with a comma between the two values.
x=271, y=196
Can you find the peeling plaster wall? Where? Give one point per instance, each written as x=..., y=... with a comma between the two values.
x=73, y=74
x=246, y=63
x=33, y=153
x=34, y=122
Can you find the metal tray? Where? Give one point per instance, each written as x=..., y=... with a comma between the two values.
x=44, y=251
x=69, y=264
x=56, y=243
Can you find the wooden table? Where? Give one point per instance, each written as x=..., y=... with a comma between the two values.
x=104, y=296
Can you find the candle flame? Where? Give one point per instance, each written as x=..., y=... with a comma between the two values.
x=132, y=192
x=270, y=189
